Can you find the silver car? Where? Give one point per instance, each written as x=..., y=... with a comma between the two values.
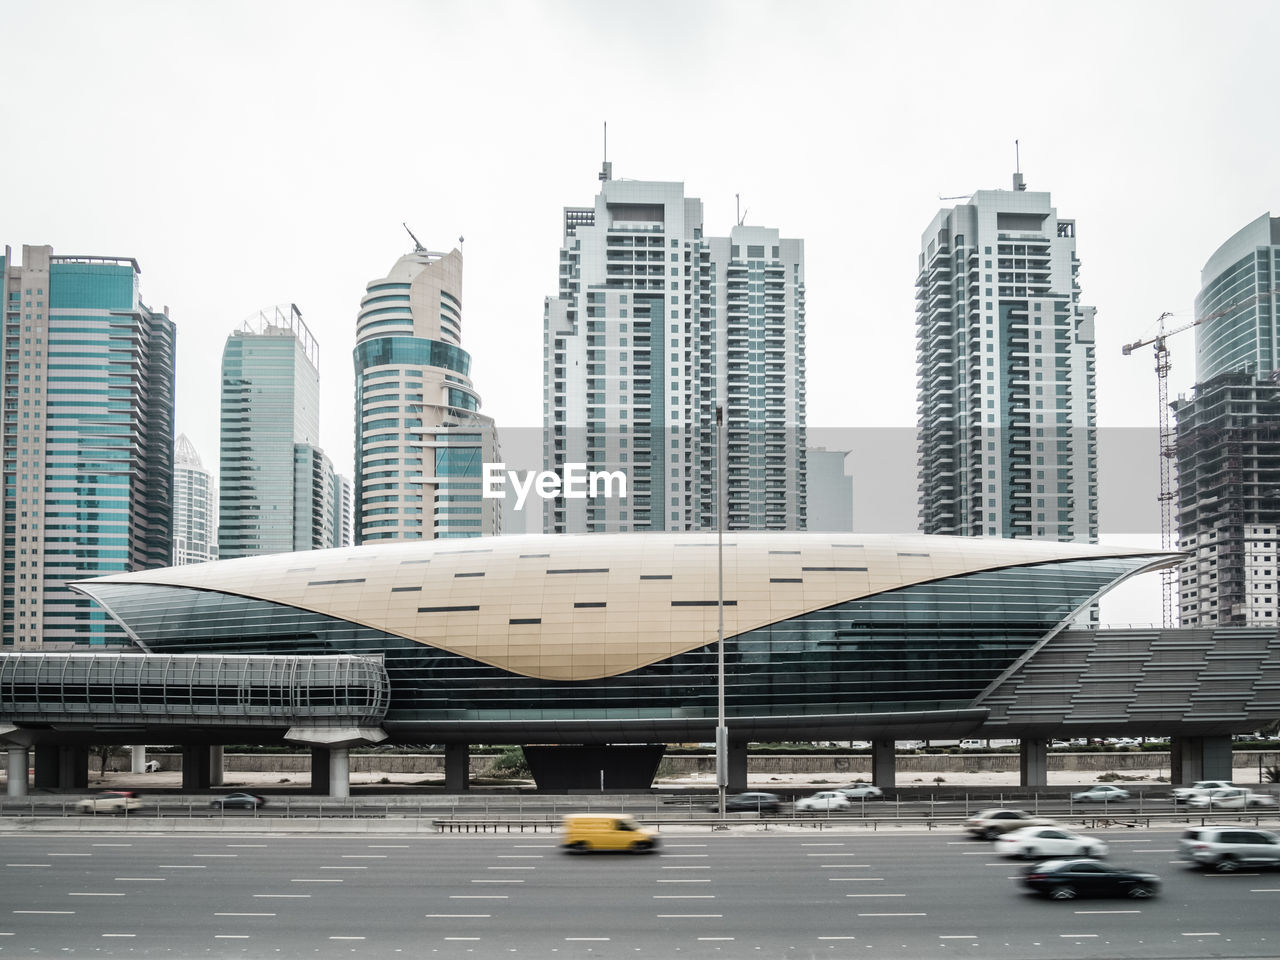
x=1227, y=849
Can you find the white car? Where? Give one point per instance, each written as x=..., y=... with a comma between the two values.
x=824, y=800
x=1182, y=794
x=1231, y=798
x=861, y=791
x=110, y=802
x=1034, y=842
x=1101, y=793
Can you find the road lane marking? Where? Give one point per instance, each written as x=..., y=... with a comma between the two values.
x=688, y=855
x=851, y=879
x=893, y=914
x=681, y=846
x=231, y=936
x=520, y=856
x=119, y=934
x=690, y=916
x=1077, y=936
x=142, y=879
x=1106, y=911
x=510, y=868
x=346, y=938
x=68, y=854
x=282, y=896
x=684, y=896
x=457, y=916
x=316, y=880
x=28, y=864
x=814, y=844
x=75, y=894
x=1265, y=890
x=682, y=881
x=586, y=939
x=364, y=856
x=715, y=938
x=1202, y=934
x=497, y=881
x=388, y=846
x=462, y=938
x=837, y=938
x=243, y=845
x=867, y=896
x=691, y=866
x=56, y=913
x=116, y=845
x=182, y=866
x=832, y=854
x=215, y=854
x=537, y=846
x=244, y=914
x=957, y=936
x=482, y=896
x=353, y=867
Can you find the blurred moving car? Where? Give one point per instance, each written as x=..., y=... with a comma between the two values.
x=1068, y=879
x=989, y=824
x=1102, y=793
x=1183, y=794
x=753, y=800
x=619, y=832
x=242, y=801
x=1227, y=849
x=861, y=791
x=111, y=801
x=824, y=800
x=1232, y=798
x=1033, y=842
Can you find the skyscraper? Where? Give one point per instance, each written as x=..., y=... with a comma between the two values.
x=1239, y=290
x=653, y=327
x=276, y=484
x=1005, y=353
x=1228, y=438
x=87, y=440
x=195, y=507
x=421, y=440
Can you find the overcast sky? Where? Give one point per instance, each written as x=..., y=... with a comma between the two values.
x=253, y=153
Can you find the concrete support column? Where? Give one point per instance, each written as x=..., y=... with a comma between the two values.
x=320, y=770
x=19, y=760
x=1033, y=762
x=138, y=761
x=46, y=777
x=737, y=758
x=339, y=772
x=884, y=763
x=215, y=766
x=457, y=767
x=73, y=767
x=1199, y=758
x=195, y=767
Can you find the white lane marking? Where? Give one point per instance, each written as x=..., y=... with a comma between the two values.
x=586, y=939
x=58, y=913
x=485, y=896
x=282, y=896
x=364, y=856
x=457, y=916
x=685, y=867
x=314, y=880
x=74, y=894
x=388, y=846
x=346, y=938
x=119, y=934
x=822, y=844
x=353, y=867
x=1223, y=876
x=69, y=854
x=244, y=914
x=831, y=854
x=1077, y=936
x=669, y=856
x=215, y=854
x=868, y=896
x=681, y=846
x=28, y=864
x=497, y=881
x=182, y=866
x=231, y=936
x=533, y=846
x=520, y=856
x=715, y=938
x=851, y=879
x=246, y=845
x=1106, y=911
x=893, y=914
x=115, y=845
x=684, y=896
x=957, y=936
x=1265, y=890
x=462, y=938
x=837, y=938
x=690, y=916
x=511, y=868
x=1202, y=934
x=142, y=879
x=682, y=881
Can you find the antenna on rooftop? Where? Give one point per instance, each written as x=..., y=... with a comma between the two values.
x=1018, y=183
x=461, y=241
x=606, y=168
x=417, y=246
x=742, y=214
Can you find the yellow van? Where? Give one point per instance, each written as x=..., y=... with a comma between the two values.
x=606, y=831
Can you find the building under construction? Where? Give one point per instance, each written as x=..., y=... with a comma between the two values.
x=1228, y=455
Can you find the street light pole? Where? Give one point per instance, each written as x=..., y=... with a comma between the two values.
x=722, y=731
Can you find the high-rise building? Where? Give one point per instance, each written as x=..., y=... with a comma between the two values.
x=195, y=507
x=1239, y=294
x=87, y=440
x=276, y=485
x=341, y=511
x=1228, y=438
x=1229, y=501
x=654, y=327
x=830, y=491
x=1005, y=352
x=421, y=441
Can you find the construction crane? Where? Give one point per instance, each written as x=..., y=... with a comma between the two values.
x=1169, y=438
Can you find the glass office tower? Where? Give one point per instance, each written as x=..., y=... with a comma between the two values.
x=87, y=440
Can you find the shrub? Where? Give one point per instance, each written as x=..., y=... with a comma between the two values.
x=1271, y=774
x=510, y=765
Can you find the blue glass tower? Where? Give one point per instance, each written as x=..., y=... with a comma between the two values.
x=87, y=440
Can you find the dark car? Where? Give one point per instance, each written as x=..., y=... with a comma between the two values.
x=1086, y=877
x=756, y=801
x=241, y=801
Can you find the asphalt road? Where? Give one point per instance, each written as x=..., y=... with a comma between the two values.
x=703, y=895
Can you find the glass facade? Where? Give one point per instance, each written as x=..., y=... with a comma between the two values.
x=930, y=646
x=87, y=440
x=1239, y=329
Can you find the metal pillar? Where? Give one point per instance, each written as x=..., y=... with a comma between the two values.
x=19, y=760
x=215, y=766
x=1199, y=758
x=457, y=763
x=1033, y=762
x=884, y=763
x=339, y=772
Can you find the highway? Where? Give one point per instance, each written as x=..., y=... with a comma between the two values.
x=705, y=894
